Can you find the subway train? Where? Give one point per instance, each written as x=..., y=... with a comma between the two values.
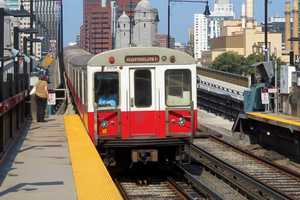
x=137, y=104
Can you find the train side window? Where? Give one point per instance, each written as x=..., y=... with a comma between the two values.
x=178, y=87
x=107, y=89
x=142, y=88
x=80, y=86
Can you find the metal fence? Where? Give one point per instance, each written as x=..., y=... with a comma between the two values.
x=222, y=105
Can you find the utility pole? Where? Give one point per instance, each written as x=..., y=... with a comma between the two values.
x=130, y=22
x=16, y=62
x=169, y=23
x=1, y=50
x=31, y=35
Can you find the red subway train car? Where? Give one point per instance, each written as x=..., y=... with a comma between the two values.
x=137, y=104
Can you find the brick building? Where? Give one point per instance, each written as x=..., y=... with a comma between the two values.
x=96, y=31
x=126, y=5
x=162, y=41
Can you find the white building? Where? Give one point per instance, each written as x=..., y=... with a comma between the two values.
x=145, y=24
x=200, y=35
x=144, y=27
x=123, y=31
x=223, y=9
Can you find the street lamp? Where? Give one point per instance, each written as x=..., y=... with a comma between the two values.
x=206, y=13
x=266, y=32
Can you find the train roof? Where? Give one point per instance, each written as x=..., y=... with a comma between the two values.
x=77, y=56
x=134, y=56
x=141, y=56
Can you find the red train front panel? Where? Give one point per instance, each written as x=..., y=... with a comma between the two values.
x=143, y=102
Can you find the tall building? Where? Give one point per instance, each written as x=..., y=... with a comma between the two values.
x=222, y=10
x=96, y=32
x=47, y=21
x=200, y=35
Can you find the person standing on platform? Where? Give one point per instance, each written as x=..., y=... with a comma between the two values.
x=41, y=96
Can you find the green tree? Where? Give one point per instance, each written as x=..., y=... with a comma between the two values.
x=229, y=62
x=250, y=60
x=234, y=63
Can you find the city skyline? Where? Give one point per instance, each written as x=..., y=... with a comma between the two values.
x=72, y=22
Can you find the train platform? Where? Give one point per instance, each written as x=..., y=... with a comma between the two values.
x=209, y=123
x=55, y=160
x=277, y=119
x=39, y=165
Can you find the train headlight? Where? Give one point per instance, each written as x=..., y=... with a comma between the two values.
x=181, y=122
x=104, y=124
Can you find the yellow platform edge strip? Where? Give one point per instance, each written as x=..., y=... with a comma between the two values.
x=92, y=180
x=274, y=118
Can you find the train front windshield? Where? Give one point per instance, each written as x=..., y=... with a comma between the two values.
x=107, y=89
x=178, y=87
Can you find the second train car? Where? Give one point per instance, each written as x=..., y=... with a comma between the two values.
x=138, y=104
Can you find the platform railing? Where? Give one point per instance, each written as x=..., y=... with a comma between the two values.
x=14, y=90
x=61, y=97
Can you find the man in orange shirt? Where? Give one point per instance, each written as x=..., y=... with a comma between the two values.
x=41, y=96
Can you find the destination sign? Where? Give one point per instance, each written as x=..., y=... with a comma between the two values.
x=142, y=59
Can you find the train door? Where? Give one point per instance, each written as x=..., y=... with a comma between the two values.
x=142, y=102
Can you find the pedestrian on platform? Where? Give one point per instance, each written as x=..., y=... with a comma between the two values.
x=41, y=96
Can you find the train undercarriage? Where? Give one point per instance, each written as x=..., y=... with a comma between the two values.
x=142, y=151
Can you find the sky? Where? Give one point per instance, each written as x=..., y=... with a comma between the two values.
x=181, y=16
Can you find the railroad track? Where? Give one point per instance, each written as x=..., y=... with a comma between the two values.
x=156, y=189
x=256, y=178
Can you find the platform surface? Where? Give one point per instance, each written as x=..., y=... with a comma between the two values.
x=92, y=179
x=38, y=168
x=279, y=119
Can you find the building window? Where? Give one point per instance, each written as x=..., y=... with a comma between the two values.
x=144, y=25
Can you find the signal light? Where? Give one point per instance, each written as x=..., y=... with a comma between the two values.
x=111, y=60
x=172, y=59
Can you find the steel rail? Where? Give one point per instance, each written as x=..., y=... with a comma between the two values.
x=200, y=186
x=121, y=189
x=166, y=189
x=214, y=155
